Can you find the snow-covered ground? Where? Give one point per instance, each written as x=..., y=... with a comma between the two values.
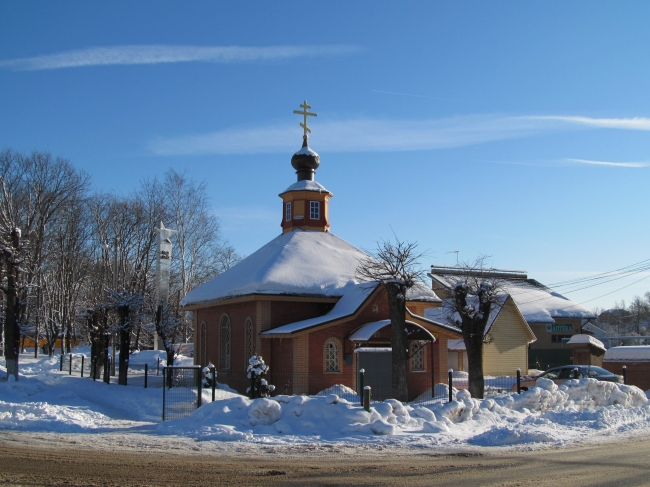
x=45, y=400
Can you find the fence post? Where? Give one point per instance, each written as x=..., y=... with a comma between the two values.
x=366, y=398
x=362, y=372
x=158, y=367
x=214, y=381
x=61, y=364
x=83, y=359
x=94, y=368
x=70, y=368
x=518, y=381
x=450, y=381
x=625, y=374
x=199, y=398
x=146, y=374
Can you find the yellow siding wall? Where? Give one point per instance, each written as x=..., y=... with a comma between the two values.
x=508, y=349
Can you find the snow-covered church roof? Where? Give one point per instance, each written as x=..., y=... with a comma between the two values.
x=536, y=302
x=300, y=263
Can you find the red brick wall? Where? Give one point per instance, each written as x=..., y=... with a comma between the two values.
x=212, y=316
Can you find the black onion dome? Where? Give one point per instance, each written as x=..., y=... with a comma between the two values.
x=305, y=162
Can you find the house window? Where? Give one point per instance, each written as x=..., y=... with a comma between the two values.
x=559, y=338
x=224, y=356
x=287, y=211
x=250, y=339
x=204, y=339
x=331, y=355
x=417, y=357
x=314, y=210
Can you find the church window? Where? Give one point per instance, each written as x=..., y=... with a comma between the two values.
x=287, y=211
x=250, y=339
x=331, y=355
x=417, y=357
x=224, y=356
x=314, y=210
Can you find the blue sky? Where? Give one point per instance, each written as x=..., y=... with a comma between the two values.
x=519, y=130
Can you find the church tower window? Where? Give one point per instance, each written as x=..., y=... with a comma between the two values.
x=314, y=210
x=287, y=211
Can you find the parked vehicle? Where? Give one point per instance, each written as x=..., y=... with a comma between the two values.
x=567, y=372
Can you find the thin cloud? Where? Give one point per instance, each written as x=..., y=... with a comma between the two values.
x=155, y=54
x=607, y=163
x=409, y=94
x=374, y=135
x=360, y=135
x=635, y=123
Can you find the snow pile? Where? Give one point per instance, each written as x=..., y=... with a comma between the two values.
x=45, y=399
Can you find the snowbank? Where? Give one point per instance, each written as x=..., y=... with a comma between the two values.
x=45, y=399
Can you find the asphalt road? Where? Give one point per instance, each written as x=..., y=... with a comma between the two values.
x=623, y=463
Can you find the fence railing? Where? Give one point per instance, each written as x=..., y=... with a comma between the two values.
x=139, y=375
x=351, y=388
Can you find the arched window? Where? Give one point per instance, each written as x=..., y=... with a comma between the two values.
x=332, y=355
x=417, y=357
x=250, y=339
x=204, y=339
x=224, y=343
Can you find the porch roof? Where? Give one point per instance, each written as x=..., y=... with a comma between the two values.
x=413, y=331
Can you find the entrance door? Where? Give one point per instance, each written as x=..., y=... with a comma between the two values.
x=378, y=371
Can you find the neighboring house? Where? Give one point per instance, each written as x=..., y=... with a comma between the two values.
x=505, y=345
x=553, y=318
x=297, y=302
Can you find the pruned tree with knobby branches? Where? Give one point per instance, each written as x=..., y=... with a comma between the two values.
x=474, y=297
x=396, y=266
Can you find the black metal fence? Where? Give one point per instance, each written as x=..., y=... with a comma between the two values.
x=351, y=388
x=140, y=375
x=182, y=391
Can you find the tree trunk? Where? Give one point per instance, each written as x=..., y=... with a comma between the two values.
x=125, y=344
x=397, y=306
x=12, y=307
x=474, y=350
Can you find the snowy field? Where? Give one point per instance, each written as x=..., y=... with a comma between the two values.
x=45, y=401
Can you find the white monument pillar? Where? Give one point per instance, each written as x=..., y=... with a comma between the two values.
x=164, y=261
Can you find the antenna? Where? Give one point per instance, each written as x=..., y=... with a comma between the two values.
x=454, y=252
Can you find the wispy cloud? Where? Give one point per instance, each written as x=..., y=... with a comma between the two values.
x=375, y=135
x=154, y=54
x=635, y=123
x=359, y=135
x=409, y=94
x=607, y=163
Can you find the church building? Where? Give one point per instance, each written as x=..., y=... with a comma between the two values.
x=298, y=302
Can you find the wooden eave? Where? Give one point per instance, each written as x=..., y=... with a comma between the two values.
x=262, y=297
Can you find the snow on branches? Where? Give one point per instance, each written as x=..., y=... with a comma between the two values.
x=256, y=372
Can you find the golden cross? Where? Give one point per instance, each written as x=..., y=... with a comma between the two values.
x=305, y=113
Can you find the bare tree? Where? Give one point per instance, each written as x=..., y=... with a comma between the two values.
x=396, y=267
x=473, y=299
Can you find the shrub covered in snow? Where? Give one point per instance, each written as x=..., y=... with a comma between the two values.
x=257, y=371
x=206, y=373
